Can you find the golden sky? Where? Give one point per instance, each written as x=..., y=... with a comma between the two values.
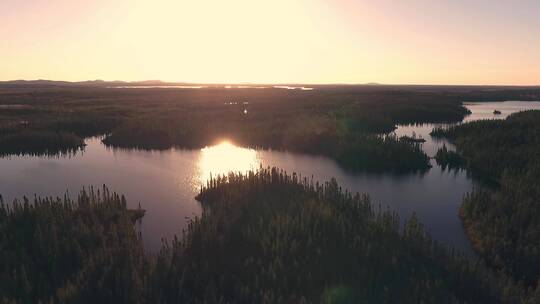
x=277, y=41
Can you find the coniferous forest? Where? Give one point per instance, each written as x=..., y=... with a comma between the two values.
x=345, y=124
x=264, y=237
x=60, y=250
x=503, y=223
x=269, y=152
x=267, y=236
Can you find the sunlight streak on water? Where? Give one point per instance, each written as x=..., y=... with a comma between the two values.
x=166, y=182
x=224, y=158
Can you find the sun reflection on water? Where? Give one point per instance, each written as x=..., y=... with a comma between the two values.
x=224, y=158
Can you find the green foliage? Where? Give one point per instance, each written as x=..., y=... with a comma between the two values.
x=504, y=224
x=493, y=146
x=382, y=154
x=41, y=142
x=263, y=237
x=60, y=250
x=346, y=123
x=269, y=237
x=449, y=159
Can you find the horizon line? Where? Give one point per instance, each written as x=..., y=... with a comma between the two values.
x=266, y=83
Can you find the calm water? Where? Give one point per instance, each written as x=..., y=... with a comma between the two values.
x=481, y=110
x=166, y=182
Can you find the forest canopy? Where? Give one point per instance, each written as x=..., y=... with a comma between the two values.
x=346, y=124
x=504, y=223
x=264, y=237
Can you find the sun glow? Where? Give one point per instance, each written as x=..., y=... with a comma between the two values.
x=269, y=42
x=225, y=157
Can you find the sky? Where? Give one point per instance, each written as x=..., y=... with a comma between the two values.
x=275, y=41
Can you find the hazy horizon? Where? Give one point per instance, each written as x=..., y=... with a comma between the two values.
x=309, y=42
x=166, y=82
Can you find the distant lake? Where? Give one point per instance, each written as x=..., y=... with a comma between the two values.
x=166, y=182
x=479, y=111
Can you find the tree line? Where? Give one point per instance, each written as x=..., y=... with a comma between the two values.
x=345, y=124
x=263, y=237
x=60, y=250
x=504, y=222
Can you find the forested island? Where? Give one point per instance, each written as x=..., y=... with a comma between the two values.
x=343, y=123
x=448, y=159
x=263, y=237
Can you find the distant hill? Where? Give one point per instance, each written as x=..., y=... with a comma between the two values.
x=41, y=83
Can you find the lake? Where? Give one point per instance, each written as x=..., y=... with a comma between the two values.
x=166, y=182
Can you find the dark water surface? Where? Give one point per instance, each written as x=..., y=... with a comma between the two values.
x=166, y=182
